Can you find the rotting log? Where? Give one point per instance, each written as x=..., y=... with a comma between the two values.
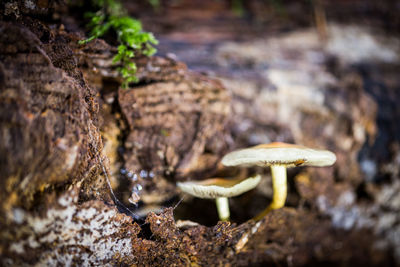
x=55, y=205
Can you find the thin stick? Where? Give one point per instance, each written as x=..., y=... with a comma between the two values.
x=116, y=201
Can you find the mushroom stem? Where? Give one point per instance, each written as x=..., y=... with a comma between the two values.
x=223, y=208
x=279, y=190
x=279, y=185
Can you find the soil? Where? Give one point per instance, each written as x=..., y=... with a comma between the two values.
x=88, y=170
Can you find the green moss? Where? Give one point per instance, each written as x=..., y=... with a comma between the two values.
x=132, y=39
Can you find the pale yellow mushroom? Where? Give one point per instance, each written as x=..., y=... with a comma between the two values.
x=219, y=189
x=278, y=156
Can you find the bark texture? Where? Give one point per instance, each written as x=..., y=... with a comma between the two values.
x=48, y=119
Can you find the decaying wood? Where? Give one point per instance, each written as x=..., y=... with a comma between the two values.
x=64, y=120
x=176, y=129
x=48, y=121
x=174, y=122
x=50, y=126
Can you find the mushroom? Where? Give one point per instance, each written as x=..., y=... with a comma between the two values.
x=219, y=189
x=279, y=156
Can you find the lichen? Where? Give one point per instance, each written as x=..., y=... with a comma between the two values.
x=87, y=233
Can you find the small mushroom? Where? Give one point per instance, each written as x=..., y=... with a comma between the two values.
x=278, y=156
x=220, y=189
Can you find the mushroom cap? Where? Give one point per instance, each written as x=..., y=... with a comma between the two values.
x=219, y=187
x=279, y=154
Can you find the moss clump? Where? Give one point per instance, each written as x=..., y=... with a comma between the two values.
x=132, y=39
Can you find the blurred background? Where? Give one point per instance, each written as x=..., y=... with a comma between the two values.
x=289, y=62
x=318, y=73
